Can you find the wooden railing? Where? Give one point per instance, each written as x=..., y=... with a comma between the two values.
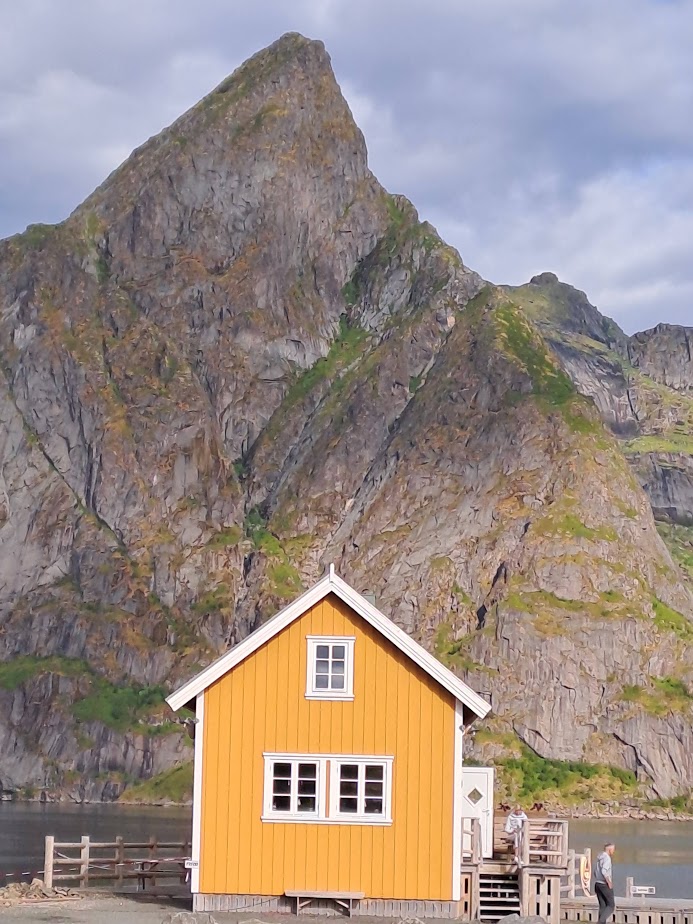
x=545, y=842
x=576, y=881
x=471, y=841
x=148, y=865
x=631, y=910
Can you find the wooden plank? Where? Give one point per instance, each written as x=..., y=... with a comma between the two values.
x=48, y=862
x=302, y=893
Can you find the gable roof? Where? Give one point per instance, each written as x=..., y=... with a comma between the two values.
x=331, y=583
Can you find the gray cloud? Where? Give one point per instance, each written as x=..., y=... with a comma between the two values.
x=537, y=136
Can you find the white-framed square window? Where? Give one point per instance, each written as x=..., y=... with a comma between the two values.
x=330, y=667
x=361, y=790
x=294, y=787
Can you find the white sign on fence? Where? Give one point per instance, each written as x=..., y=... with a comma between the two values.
x=642, y=890
x=191, y=864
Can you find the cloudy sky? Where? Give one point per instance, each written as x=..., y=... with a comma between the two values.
x=535, y=134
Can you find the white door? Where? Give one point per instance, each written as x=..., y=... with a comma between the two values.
x=477, y=802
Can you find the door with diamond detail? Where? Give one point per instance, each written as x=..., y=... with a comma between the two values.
x=477, y=802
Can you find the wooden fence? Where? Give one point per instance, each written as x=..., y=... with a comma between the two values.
x=146, y=866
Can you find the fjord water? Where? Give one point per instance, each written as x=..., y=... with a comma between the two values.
x=24, y=826
x=654, y=853
x=658, y=853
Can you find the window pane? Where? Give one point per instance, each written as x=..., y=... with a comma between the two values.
x=374, y=772
x=338, y=652
x=349, y=771
x=338, y=683
x=338, y=667
x=281, y=787
x=283, y=770
x=349, y=805
x=306, y=803
x=307, y=771
x=374, y=789
x=322, y=651
x=281, y=803
x=348, y=788
x=322, y=681
x=374, y=806
x=306, y=787
x=322, y=667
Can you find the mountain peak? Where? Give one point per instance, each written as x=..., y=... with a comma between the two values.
x=544, y=279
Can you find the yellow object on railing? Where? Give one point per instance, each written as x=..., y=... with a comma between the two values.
x=585, y=872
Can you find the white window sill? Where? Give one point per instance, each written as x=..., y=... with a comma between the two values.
x=332, y=696
x=366, y=820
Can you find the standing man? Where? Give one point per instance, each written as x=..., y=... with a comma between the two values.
x=604, y=883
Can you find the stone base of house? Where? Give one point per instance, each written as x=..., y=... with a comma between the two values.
x=371, y=907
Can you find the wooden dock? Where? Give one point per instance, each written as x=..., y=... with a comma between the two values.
x=631, y=910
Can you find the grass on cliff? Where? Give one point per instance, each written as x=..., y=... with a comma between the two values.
x=668, y=620
x=173, y=785
x=344, y=350
x=121, y=708
x=530, y=777
x=671, y=442
x=16, y=672
x=679, y=541
x=665, y=695
x=525, y=345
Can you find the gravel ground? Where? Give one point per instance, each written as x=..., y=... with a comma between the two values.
x=95, y=910
x=109, y=909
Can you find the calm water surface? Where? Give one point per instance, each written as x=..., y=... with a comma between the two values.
x=24, y=825
x=658, y=853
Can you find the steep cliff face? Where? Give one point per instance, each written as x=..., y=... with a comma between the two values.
x=241, y=359
x=641, y=386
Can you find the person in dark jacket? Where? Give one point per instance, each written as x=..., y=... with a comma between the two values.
x=604, y=883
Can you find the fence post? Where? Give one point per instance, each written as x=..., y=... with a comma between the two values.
x=120, y=859
x=48, y=862
x=152, y=856
x=84, y=862
x=524, y=843
x=629, y=886
x=571, y=873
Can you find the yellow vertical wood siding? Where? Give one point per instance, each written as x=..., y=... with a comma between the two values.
x=397, y=710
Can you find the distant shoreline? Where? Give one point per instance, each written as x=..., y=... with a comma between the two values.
x=597, y=814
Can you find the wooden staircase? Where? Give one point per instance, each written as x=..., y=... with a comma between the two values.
x=499, y=894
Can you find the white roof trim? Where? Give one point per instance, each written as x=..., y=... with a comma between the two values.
x=330, y=583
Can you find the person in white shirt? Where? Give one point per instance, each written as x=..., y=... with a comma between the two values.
x=604, y=883
x=515, y=827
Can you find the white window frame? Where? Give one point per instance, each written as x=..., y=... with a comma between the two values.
x=312, y=691
x=361, y=818
x=328, y=810
x=269, y=813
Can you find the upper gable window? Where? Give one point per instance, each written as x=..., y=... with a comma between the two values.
x=330, y=667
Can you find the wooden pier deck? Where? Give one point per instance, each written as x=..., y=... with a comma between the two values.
x=646, y=910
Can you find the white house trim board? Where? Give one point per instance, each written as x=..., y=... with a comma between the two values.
x=458, y=750
x=197, y=792
x=331, y=583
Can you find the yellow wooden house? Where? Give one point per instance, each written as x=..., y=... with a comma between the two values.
x=328, y=765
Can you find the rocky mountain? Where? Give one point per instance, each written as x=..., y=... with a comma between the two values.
x=241, y=359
